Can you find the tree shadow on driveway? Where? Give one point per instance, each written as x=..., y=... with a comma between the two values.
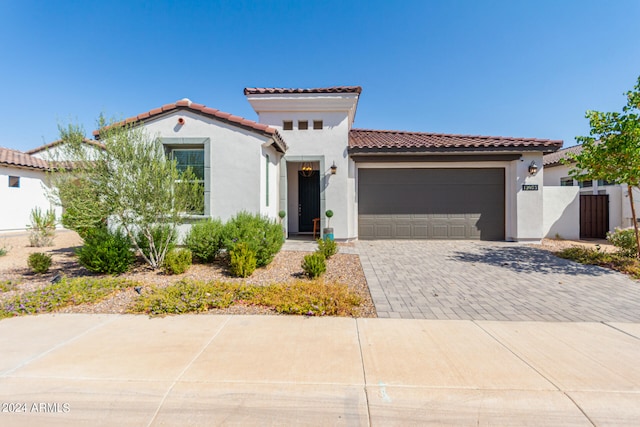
x=522, y=259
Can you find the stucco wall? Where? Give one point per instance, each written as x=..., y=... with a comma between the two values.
x=16, y=203
x=561, y=213
x=236, y=161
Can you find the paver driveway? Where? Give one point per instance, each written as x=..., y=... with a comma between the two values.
x=491, y=281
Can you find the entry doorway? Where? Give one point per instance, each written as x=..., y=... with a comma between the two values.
x=308, y=200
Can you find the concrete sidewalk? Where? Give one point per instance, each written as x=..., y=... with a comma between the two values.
x=71, y=370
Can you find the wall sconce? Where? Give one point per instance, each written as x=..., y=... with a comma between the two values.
x=180, y=121
x=533, y=168
x=306, y=169
x=334, y=168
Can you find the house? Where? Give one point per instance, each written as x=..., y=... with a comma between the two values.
x=23, y=183
x=603, y=205
x=303, y=156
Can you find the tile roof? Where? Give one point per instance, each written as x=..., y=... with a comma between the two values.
x=555, y=159
x=21, y=160
x=187, y=104
x=58, y=142
x=365, y=140
x=279, y=90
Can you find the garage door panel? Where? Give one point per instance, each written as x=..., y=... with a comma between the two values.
x=431, y=203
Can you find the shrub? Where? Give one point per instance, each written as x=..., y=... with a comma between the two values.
x=64, y=293
x=42, y=228
x=585, y=255
x=327, y=247
x=259, y=233
x=625, y=241
x=3, y=251
x=159, y=233
x=242, y=260
x=39, y=262
x=314, y=265
x=310, y=298
x=205, y=239
x=177, y=261
x=8, y=285
x=107, y=252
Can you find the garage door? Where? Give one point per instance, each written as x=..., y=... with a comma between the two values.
x=431, y=204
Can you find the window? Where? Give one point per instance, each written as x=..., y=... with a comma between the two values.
x=287, y=125
x=603, y=182
x=317, y=124
x=567, y=181
x=14, y=182
x=191, y=158
x=303, y=125
x=586, y=184
x=267, y=180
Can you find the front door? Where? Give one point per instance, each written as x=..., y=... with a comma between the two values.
x=308, y=200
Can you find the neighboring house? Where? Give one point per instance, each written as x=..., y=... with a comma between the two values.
x=603, y=205
x=23, y=182
x=304, y=157
x=52, y=151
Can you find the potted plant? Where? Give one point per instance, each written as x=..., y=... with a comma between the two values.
x=327, y=233
x=282, y=214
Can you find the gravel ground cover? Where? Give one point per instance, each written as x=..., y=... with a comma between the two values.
x=343, y=268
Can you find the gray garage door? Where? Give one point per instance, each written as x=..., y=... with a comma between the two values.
x=431, y=204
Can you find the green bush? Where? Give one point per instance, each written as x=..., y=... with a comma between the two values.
x=159, y=233
x=625, y=241
x=42, y=228
x=314, y=265
x=314, y=298
x=585, y=255
x=177, y=261
x=327, y=247
x=64, y=293
x=242, y=260
x=3, y=251
x=205, y=240
x=259, y=233
x=39, y=262
x=106, y=252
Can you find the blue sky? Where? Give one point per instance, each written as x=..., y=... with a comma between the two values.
x=510, y=68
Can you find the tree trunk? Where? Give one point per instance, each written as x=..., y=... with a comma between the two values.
x=633, y=215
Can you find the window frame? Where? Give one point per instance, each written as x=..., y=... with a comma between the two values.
x=14, y=181
x=566, y=181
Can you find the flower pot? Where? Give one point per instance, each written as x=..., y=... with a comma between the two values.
x=327, y=233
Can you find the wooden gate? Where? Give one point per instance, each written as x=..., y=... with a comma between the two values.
x=594, y=216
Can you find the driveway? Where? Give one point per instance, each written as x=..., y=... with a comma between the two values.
x=491, y=281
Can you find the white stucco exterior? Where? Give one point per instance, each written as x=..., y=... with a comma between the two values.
x=235, y=162
x=619, y=207
x=17, y=203
x=561, y=215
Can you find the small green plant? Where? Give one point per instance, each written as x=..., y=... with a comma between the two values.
x=314, y=265
x=42, y=228
x=329, y=214
x=205, y=240
x=327, y=247
x=625, y=241
x=314, y=298
x=106, y=252
x=3, y=251
x=262, y=235
x=64, y=293
x=242, y=260
x=8, y=285
x=39, y=262
x=177, y=261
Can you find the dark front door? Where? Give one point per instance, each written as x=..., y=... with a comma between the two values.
x=594, y=216
x=308, y=200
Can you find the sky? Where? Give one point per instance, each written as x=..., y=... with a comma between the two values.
x=479, y=67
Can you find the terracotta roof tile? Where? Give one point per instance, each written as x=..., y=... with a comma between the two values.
x=58, y=142
x=556, y=158
x=21, y=160
x=277, y=90
x=186, y=104
x=364, y=140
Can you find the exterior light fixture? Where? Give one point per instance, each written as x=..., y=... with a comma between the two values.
x=306, y=169
x=533, y=168
x=334, y=168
